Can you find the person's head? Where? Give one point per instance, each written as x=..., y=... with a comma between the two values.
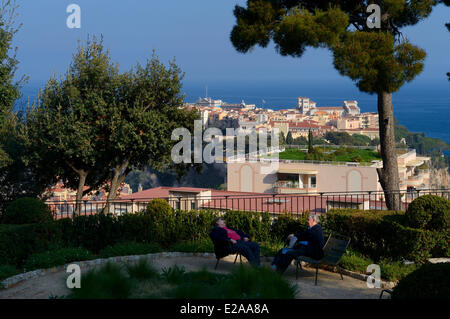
x=220, y=222
x=313, y=220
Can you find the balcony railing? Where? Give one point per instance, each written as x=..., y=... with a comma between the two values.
x=291, y=184
x=274, y=204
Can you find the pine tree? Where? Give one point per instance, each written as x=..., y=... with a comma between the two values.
x=379, y=60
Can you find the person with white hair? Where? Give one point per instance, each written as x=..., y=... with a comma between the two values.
x=305, y=243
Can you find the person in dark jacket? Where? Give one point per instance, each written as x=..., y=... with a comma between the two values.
x=228, y=241
x=307, y=243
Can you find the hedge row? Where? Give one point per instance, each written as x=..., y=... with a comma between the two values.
x=382, y=234
x=96, y=232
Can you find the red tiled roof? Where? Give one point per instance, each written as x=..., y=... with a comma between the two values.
x=163, y=192
x=330, y=108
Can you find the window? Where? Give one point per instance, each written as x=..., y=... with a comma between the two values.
x=313, y=182
x=193, y=206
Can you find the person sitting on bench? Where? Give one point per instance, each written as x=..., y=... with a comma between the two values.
x=240, y=242
x=305, y=243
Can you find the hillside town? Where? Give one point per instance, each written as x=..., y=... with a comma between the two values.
x=298, y=120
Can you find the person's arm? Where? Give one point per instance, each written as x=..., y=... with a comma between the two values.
x=241, y=233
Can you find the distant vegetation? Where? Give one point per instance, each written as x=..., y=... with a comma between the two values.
x=342, y=154
x=423, y=145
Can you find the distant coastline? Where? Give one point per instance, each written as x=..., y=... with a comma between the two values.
x=429, y=114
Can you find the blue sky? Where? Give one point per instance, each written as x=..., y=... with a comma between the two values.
x=197, y=32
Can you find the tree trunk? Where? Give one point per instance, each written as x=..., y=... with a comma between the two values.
x=388, y=174
x=120, y=172
x=83, y=175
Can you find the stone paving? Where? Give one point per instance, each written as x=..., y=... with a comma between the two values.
x=330, y=285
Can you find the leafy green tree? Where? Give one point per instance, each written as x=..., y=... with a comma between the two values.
x=9, y=89
x=95, y=124
x=380, y=60
x=64, y=131
x=142, y=121
x=16, y=180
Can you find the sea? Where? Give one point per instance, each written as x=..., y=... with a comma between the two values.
x=420, y=107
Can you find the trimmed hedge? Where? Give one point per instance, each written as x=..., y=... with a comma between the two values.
x=431, y=281
x=380, y=234
x=26, y=210
x=18, y=242
x=429, y=212
x=130, y=248
x=96, y=232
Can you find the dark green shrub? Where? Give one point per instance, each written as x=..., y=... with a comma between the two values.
x=56, y=257
x=162, y=221
x=193, y=225
x=200, y=285
x=142, y=270
x=108, y=282
x=173, y=275
x=95, y=232
x=255, y=225
x=429, y=212
x=18, y=242
x=379, y=234
x=130, y=248
x=158, y=206
x=135, y=227
x=250, y=283
x=286, y=224
x=431, y=281
x=26, y=211
x=7, y=271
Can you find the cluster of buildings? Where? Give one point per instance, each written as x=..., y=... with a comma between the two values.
x=291, y=185
x=298, y=121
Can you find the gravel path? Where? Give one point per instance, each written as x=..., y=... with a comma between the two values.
x=329, y=286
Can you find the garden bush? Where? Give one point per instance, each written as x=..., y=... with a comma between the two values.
x=244, y=282
x=130, y=248
x=162, y=221
x=194, y=225
x=18, y=242
x=7, y=271
x=255, y=225
x=95, y=232
x=286, y=224
x=429, y=212
x=431, y=281
x=108, y=282
x=395, y=270
x=380, y=234
x=26, y=211
x=56, y=257
x=158, y=206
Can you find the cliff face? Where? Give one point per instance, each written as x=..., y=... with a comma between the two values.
x=440, y=178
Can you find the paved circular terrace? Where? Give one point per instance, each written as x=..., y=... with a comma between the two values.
x=329, y=286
